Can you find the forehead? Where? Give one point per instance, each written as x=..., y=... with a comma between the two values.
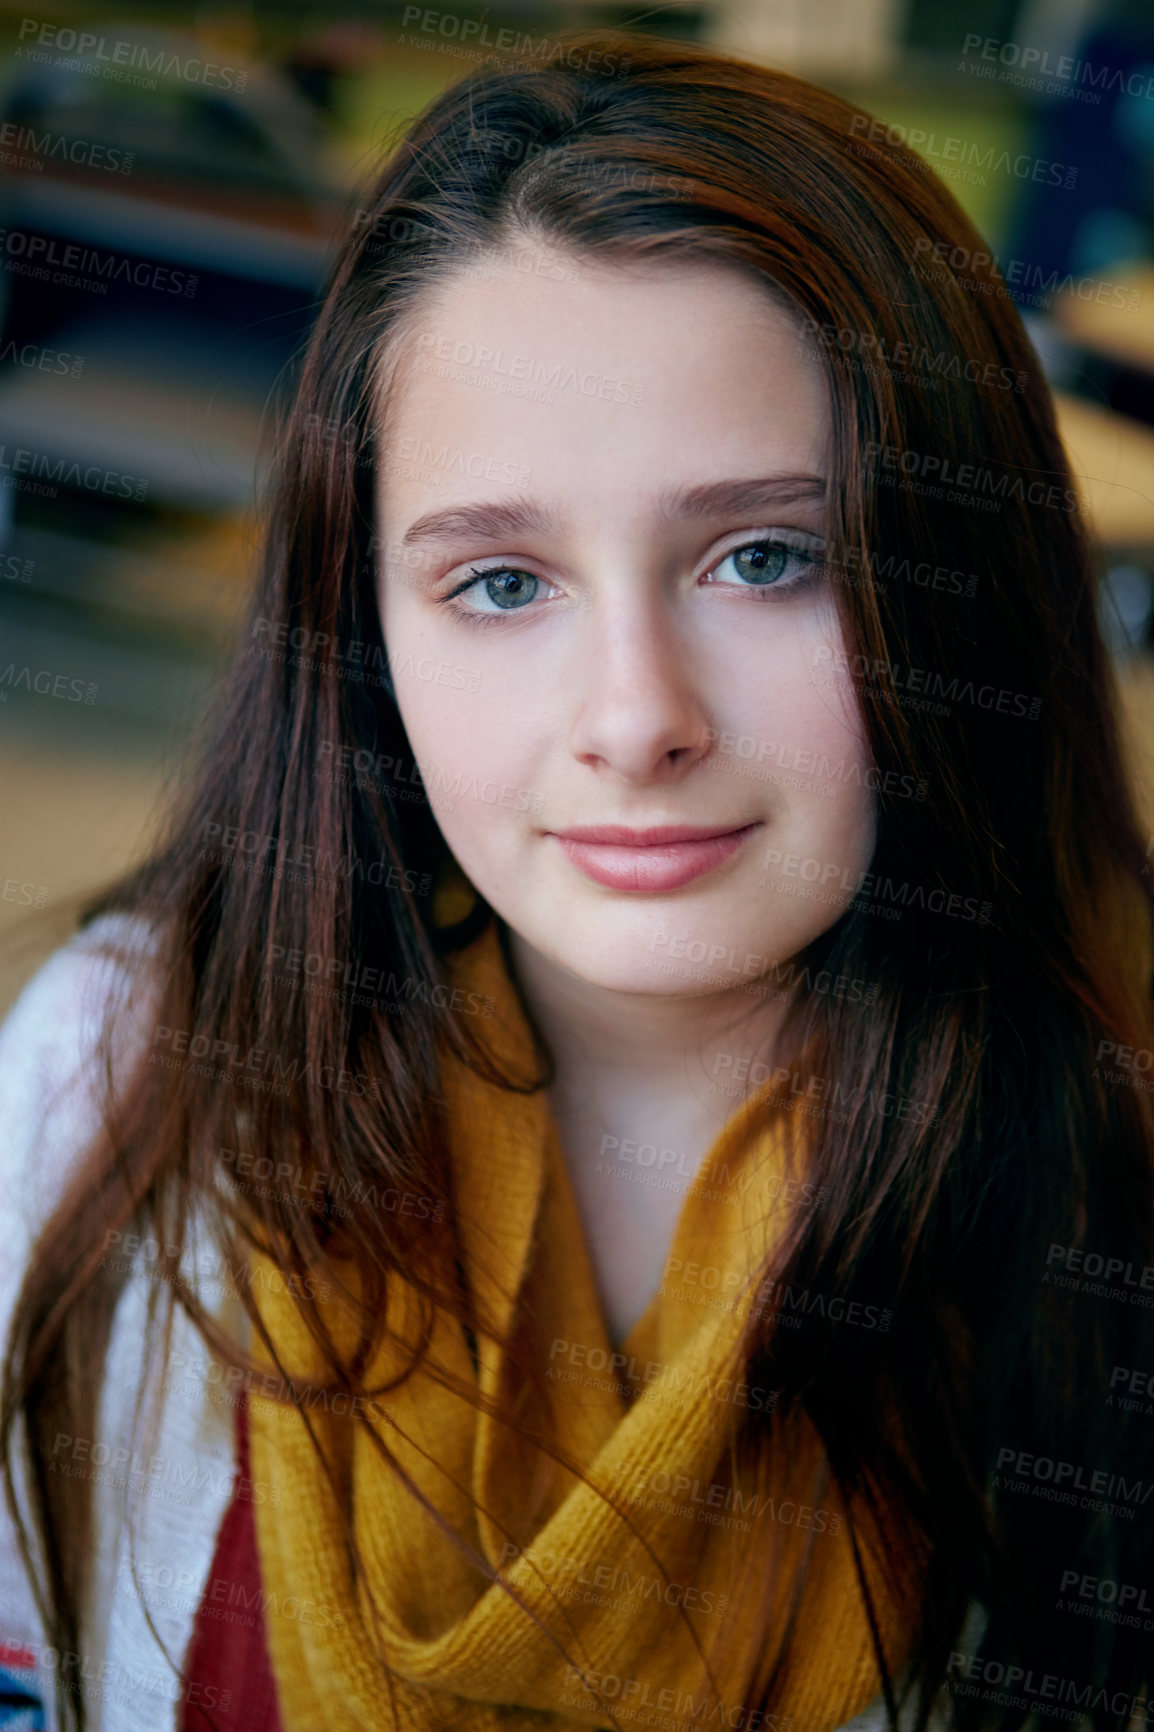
x=581, y=377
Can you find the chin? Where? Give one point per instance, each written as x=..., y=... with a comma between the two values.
x=634, y=966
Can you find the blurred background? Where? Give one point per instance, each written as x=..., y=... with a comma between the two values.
x=172, y=183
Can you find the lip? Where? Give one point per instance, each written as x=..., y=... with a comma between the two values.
x=650, y=861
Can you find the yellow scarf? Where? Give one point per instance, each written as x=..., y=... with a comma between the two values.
x=643, y=1614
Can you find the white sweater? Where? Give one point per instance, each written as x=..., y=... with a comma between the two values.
x=158, y=1499
x=159, y=1496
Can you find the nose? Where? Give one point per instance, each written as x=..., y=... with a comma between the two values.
x=642, y=716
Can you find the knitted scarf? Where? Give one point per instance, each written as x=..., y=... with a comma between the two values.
x=631, y=1576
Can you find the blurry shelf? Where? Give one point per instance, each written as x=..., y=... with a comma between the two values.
x=191, y=585
x=1113, y=462
x=198, y=239
x=168, y=404
x=1124, y=333
x=139, y=688
x=1136, y=686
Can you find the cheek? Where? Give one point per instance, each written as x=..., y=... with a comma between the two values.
x=813, y=751
x=794, y=696
x=476, y=756
x=838, y=762
x=460, y=716
x=469, y=708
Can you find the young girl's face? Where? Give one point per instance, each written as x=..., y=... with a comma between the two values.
x=599, y=507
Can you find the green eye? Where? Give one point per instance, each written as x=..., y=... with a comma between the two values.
x=502, y=590
x=762, y=563
x=767, y=564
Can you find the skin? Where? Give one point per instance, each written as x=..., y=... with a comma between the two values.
x=624, y=689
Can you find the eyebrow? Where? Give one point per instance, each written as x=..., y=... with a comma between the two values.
x=709, y=499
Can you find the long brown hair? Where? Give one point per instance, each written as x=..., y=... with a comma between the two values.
x=1024, y=944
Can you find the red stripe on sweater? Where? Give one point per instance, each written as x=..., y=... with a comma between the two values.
x=10, y=1655
x=228, y=1678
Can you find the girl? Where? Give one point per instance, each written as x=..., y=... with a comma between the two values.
x=612, y=1098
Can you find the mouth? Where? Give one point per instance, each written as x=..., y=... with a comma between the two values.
x=661, y=858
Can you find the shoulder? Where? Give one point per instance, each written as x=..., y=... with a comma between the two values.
x=52, y=1073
